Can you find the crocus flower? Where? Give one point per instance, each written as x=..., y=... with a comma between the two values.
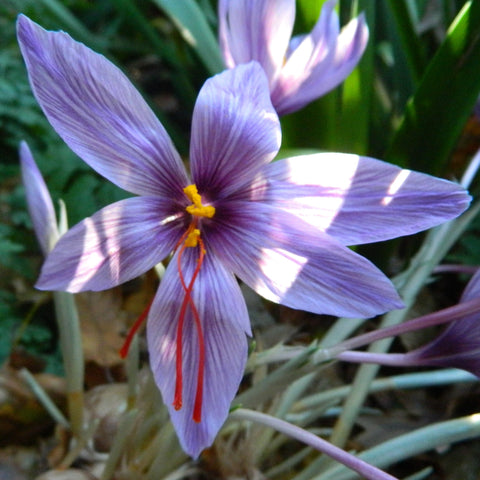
x=39, y=202
x=459, y=344
x=299, y=69
x=280, y=227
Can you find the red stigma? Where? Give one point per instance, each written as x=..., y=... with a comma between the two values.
x=188, y=302
x=133, y=330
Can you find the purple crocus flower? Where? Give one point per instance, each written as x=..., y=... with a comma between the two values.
x=39, y=202
x=280, y=227
x=299, y=69
x=459, y=344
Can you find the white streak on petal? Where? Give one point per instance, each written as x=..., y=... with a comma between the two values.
x=395, y=186
x=282, y=274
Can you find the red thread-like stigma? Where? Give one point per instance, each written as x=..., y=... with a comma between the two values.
x=188, y=301
x=133, y=330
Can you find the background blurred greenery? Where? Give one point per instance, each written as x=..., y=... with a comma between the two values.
x=411, y=101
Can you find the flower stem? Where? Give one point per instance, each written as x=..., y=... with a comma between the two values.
x=368, y=471
x=445, y=315
x=71, y=347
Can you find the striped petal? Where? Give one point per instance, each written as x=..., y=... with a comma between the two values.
x=224, y=321
x=360, y=200
x=235, y=131
x=256, y=30
x=287, y=261
x=99, y=114
x=118, y=243
x=320, y=61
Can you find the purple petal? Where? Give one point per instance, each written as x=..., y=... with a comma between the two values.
x=320, y=62
x=459, y=344
x=224, y=320
x=99, y=114
x=256, y=30
x=287, y=261
x=118, y=243
x=359, y=199
x=472, y=290
x=235, y=130
x=39, y=201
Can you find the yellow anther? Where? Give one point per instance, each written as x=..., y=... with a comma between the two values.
x=197, y=208
x=192, y=238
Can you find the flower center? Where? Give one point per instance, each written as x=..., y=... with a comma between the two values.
x=197, y=209
x=191, y=239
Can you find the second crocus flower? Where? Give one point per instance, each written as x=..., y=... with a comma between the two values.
x=299, y=69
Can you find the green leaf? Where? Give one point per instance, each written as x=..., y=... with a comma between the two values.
x=73, y=25
x=412, y=46
x=340, y=120
x=193, y=26
x=357, y=92
x=447, y=93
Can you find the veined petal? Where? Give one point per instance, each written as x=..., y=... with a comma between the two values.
x=235, y=130
x=224, y=319
x=289, y=262
x=359, y=199
x=256, y=30
x=99, y=114
x=320, y=62
x=39, y=201
x=118, y=243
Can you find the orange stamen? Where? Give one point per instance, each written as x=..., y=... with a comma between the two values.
x=133, y=330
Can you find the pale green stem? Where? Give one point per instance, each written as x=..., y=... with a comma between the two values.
x=410, y=444
x=121, y=438
x=471, y=170
x=70, y=337
x=80, y=445
x=398, y=382
x=289, y=464
x=71, y=347
x=44, y=399
x=277, y=380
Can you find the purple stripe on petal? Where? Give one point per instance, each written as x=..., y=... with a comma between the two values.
x=39, y=201
x=320, y=62
x=99, y=114
x=289, y=262
x=235, y=130
x=359, y=199
x=256, y=30
x=223, y=314
x=118, y=243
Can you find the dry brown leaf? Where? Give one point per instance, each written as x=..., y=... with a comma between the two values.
x=22, y=417
x=103, y=324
